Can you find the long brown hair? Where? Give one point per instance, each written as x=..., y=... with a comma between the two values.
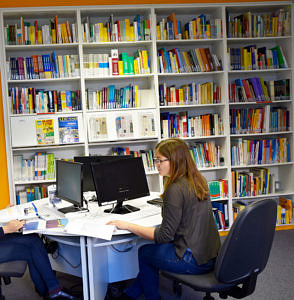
x=182, y=165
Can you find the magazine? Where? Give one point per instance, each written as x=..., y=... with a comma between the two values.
x=45, y=131
x=68, y=130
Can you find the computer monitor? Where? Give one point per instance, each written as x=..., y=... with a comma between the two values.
x=69, y=182
x=120, y=180
x=88, y=183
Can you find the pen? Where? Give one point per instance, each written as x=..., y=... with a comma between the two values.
x=36, y=211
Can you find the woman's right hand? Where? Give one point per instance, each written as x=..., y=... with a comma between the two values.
x=13, y=226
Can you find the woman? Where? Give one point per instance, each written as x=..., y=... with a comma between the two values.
x=15, y=246
x=187, y=240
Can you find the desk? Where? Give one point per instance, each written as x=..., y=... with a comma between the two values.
x=116, y=260
x=102, y=262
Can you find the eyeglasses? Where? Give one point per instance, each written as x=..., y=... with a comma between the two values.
x=159, y=161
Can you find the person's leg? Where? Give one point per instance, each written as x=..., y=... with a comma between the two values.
x=154, y=257
x=12, y=250
x=40, y=259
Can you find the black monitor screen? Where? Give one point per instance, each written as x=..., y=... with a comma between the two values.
x=88, y=183
x=69, y=180
x=120, y=180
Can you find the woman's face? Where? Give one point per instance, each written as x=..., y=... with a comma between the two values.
x=162, y=164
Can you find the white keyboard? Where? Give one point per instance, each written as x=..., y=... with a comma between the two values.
x=49, y=213
x=144, y=212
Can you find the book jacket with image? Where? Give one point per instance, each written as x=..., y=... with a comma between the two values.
x=68, y=130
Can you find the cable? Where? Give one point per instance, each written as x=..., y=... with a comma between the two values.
x=125, y=250
x=66, y=260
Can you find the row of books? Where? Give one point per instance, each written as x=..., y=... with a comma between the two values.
x=190, y=94
x=193, y=60
x=116, y=64
x=256, y=181
x=218, y=189
x=259, y=120
x=253, y=58
x=258, y=152
x=147, y=156
x=124, y=126
x=259, y=25
x=31, y=100
x=256, y=89
x=198, y=28
x=31, y=194
x=206, y=154
x=182, y=125
x=40, y=167
x=220, y=213
x=117, y=30
x=43, y=66
x=112, y=98
x=32, y=33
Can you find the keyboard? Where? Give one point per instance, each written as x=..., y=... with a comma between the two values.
x=49, y=213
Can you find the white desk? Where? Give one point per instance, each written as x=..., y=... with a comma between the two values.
x=100, y=261
x=116, y=260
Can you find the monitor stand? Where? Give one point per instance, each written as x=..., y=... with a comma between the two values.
x=121, y=209
x=71, y=209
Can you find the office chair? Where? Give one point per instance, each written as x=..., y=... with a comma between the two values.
x=11, y=269
x=243, y=255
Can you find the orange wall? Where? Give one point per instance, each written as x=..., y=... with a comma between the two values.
x=4, y=200
x=33, y=3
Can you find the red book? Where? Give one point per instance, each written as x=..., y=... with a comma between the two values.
x=114, y=59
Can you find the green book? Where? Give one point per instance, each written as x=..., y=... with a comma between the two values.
x=125, y=60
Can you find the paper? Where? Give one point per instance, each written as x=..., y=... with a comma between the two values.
x=88, y=227
x=34, y=226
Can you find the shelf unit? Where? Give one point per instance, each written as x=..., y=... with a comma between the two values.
x=149, y=87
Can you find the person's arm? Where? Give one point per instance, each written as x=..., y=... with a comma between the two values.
x=142, y=231
x=12, y=226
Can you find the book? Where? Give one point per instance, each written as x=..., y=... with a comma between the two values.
x=45, y=131
x=68, y=129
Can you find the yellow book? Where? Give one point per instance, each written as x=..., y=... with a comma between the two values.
x=40, y=38
x=60, y=66
x=132, y=34
x=32, y=34
x=63, y=100
x=136, y=67
x=157, y=32
x=128, y=34
x=31, y=109
x=199, y=58
x=194, y=26
x=164, y=34
x=101, y=34
x=105, y=38
x=145, y=61
x=181, y=96
x=208, y=87
x=67, y=62
x=137, y=96
x=121, y=67
x=208, y=33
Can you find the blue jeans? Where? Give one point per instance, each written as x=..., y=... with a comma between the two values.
x=155, y=257
x=30, y=248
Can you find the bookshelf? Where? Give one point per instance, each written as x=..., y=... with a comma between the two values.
x=121, y=79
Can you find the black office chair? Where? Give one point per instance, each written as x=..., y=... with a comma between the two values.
x=243, y=255
x=11, y=269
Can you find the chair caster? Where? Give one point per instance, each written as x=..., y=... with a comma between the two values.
x=177, y=288
x=208, y=297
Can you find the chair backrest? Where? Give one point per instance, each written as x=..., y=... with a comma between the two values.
x=13, y=268
x=247, y=247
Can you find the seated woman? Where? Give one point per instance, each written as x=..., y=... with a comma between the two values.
x=187, y=241
x=15, y=246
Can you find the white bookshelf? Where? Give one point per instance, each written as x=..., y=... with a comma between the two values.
x=20, y=128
